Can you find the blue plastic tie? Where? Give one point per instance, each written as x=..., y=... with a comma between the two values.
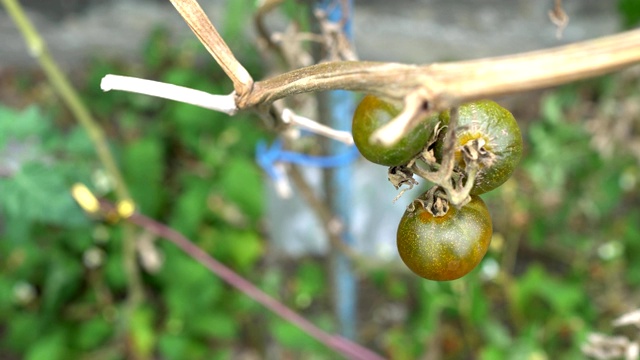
x=267, y=157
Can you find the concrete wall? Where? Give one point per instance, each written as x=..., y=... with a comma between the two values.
x=414, y=31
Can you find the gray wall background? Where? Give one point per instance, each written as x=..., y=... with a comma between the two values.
x=413, y=31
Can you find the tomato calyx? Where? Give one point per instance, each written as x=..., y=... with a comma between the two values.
x=435, y=201
x=428, y=153
x=452, y=180
x=474, y=151
x=401, y=175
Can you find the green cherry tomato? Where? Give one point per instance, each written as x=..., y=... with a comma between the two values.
x=444, y=247
x=501, y=138
x=371, y=114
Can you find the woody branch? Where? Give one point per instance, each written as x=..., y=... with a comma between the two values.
x=421, y=88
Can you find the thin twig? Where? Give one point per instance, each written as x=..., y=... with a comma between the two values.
x=335, y=41
x=201, y=26
x=288, y=116
x=221, y=103
x=264, y=36
x=335, y=342
x=559, y=18
x=328, y=219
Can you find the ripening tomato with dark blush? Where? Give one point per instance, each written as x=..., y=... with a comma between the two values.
x=444, y=247
x=371, y=114
x=497, y=132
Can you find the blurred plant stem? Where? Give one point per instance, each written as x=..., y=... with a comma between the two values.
x=342, y=345
x=38, y=49
x=336, y=110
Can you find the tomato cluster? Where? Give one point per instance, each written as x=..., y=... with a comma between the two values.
x=439, y=238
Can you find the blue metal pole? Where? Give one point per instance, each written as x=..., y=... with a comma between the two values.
x=341, y=105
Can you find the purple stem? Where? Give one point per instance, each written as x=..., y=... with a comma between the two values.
x=340, y=344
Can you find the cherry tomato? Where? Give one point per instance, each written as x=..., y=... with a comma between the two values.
x=444, y=247
x=499, y=135
x=371, y=114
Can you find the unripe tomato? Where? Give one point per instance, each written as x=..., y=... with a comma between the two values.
x=500, y=134
x=371, y=114
x=444, y=247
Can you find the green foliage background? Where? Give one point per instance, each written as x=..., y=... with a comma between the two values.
x=562, y=261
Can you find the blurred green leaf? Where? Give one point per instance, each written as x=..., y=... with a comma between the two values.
x=237, y=18
x=143, y=167
x=63, y=280
x=561, y=297
x=497, y=335
x=114, y=270
x=479, y=307
x=432, y=302
x=299, y=12
x=291, y=337
x=182, y=347
x=631, y=234
x=39, y=193
x=92, y=333
x=23, y=330
x=311, y=280
x=399, y=344
x=157, y=49
x=142, y=332
x=52, y=346
x=492, y=352
x=630, y=12
x=190, y=207
x=173, y=346
x=243, y=248
x=30, y=123
x=241, y=182
x=189, y=288
x=6, y=296
x=78, y=144
x=38, y=189
x=217, y=325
